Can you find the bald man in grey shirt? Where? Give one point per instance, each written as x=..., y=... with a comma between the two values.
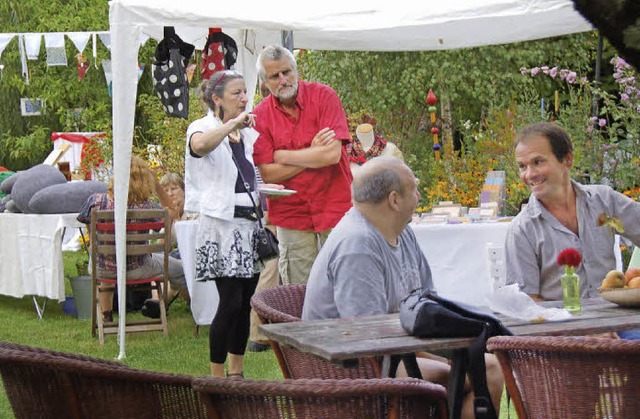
x=371, y=261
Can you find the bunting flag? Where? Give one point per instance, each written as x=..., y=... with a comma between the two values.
x=4, y=41
x=106, y=67
x=82, y=63
x=32, y=42
x=79, y=39
x=56, y=54
x=106, y=39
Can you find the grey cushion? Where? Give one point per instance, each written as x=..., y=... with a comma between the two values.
x=64, y=197
x=3, y=202
x=31, y=181
x=10, y=206
x=7, y=184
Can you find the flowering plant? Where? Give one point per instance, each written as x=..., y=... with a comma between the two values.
x=571, y=259
x=605, y=132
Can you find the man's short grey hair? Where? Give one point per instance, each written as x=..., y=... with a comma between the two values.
x=376, y=179
x=274, y=53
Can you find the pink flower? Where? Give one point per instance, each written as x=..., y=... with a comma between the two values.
x=571, y=77
x=553, y=72
x=534, y=71
x=602, y=122
x=624, y=97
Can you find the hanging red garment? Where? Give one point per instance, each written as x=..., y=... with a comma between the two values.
x=220, y=52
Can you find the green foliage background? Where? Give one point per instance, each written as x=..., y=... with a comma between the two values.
x=482, y=100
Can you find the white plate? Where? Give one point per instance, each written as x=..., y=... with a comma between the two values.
x=276, y=192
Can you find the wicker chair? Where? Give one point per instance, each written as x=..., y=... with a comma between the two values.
x=54, y=385
x=283, y=304
x=318, y=399
x=570, y=377
x=36, y=352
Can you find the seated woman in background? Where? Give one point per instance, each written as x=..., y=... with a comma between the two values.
x=143, y=185
x=173, y=185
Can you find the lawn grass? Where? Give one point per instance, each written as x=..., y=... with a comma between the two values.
x=180, y=352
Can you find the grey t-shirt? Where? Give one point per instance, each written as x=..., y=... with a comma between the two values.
x=358, y=273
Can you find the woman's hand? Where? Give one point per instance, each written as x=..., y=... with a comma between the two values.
x=244, y=120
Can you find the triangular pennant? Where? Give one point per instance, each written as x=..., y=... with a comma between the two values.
x=106, y=39
x=32, y=42
x=106, y=66
x=56, y=54
x=79, y=39
x=4, y=40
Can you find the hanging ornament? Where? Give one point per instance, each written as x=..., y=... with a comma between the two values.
x=82, y=63
x=431, y=101
x=191, y=69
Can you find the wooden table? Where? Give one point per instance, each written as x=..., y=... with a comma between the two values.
x=343, y=341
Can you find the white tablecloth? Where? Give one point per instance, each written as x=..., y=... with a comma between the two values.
x=458, y=257
x=31, y=254
x=204, y=295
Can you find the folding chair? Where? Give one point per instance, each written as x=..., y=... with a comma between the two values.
x=147, y=231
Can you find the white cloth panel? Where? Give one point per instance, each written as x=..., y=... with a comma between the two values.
x=31, y=254
x=204, y=295
x=23, y=59
x=56, y=53
x=32, y=42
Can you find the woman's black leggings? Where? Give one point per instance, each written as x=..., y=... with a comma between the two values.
x=230, y=327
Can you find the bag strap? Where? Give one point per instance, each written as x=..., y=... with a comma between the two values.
x=257, y=209
x=482, y=404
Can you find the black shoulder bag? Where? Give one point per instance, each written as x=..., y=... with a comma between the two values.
x=426, y=315
x=265, y=242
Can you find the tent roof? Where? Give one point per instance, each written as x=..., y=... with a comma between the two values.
x=363, y=24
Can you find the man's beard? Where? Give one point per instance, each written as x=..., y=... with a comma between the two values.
x=290, y=93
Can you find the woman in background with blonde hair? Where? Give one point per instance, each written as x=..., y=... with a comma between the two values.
x=143, y=187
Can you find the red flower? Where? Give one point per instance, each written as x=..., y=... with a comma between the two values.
x=569, y=257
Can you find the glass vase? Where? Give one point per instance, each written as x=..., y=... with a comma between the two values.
x=571, y=292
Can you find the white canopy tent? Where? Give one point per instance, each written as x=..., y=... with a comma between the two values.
x=373, y=25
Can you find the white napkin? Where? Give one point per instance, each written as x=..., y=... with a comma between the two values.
x=509, y=300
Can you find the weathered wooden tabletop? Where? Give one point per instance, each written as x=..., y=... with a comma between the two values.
x=342, y=340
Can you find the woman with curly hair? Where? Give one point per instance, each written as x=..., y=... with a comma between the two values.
x=143, y=186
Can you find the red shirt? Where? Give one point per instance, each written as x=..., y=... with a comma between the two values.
x=324, y=194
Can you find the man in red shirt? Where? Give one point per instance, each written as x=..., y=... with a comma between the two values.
x=303, y=129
